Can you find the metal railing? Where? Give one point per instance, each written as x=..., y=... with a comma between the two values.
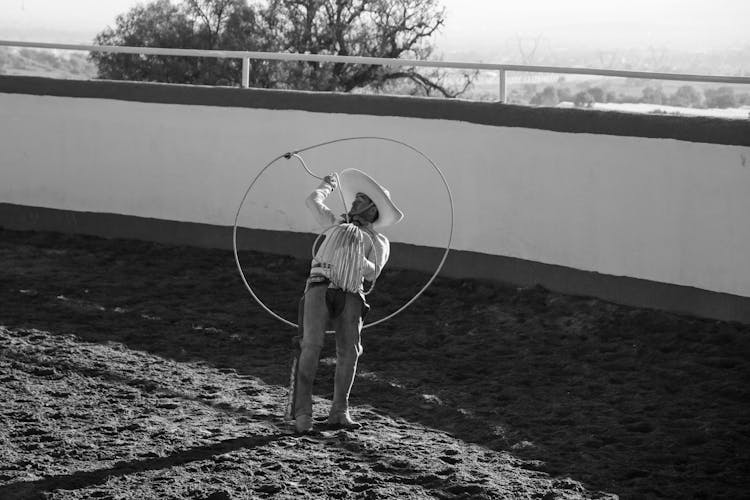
x=502, y=69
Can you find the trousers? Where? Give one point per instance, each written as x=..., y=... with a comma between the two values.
x=323, y=308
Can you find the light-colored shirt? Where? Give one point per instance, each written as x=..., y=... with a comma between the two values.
x=377, y=246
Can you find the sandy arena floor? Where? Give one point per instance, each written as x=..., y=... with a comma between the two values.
x=130, y=370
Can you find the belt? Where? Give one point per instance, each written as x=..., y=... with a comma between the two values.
x=320, y=269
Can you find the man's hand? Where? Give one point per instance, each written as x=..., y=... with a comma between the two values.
x=330, y=179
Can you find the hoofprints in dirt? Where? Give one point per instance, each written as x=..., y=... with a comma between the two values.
x=86, y=420
x=177, y=380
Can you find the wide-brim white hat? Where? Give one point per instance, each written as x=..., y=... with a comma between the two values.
x=355, y=181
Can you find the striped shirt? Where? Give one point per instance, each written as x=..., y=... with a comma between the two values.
x=377, y=247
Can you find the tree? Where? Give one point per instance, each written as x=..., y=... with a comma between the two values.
x=195, y=24
x=686, y=97
x=547, y=97
x=597, y=93
x=528, y=91
x=583, y=99
x=214, y=16
x=375, y=28
x=653, y=95
x=723, y=97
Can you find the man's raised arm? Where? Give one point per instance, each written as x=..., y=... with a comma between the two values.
x=323, y=215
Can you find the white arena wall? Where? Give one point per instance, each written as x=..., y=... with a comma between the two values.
x=664, y=219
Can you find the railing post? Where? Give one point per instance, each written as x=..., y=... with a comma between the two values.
x=245, y=72
x=502, y=85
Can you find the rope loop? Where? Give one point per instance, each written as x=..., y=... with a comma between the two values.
x=372, y=245
x=296, y=154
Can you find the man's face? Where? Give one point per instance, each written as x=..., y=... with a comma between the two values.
x=361, y=202
x=363, y=209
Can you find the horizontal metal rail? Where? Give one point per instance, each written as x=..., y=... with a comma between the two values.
x=380, y=61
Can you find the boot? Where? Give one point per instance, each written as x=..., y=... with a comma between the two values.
x=303, y=424
x=339, y=416
x=340, y=419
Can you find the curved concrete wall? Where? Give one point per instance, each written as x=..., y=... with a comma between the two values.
x=653, y=208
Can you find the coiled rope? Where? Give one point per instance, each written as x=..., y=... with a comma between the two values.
x=347, y=240
x=296, y=155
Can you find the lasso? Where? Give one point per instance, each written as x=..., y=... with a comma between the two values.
x=346, y=273
x=347, y=261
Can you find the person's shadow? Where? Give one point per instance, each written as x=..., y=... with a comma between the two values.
x=31, y=489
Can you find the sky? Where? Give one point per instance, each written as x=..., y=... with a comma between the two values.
x=471, y=25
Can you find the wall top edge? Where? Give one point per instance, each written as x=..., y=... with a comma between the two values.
x=684, y=128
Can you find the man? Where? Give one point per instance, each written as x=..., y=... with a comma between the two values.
x=332, y=300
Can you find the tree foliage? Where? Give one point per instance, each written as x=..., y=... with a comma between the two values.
x=547, y=97
x=194, y=24
x=583, y=99
x=374, y=28
x=653, y=95
x=723, y=97
x=597, y=93
x=686, y=96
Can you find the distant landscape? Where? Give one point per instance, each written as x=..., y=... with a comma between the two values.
x=634, y=95
x=47, y=63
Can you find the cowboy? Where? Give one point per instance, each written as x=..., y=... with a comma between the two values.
x=331, y=300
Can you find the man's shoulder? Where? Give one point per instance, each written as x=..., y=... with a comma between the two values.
x=381, y=237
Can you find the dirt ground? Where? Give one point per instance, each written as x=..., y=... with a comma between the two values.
x=130, y=370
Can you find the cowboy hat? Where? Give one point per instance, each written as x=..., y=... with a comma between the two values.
x=355, y=181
